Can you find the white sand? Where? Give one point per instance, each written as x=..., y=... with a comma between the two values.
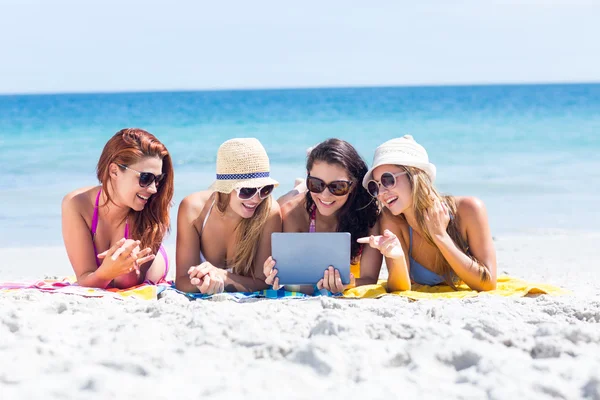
x=69, y=347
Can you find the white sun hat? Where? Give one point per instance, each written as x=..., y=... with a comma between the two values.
x=242, y=162
x=404, y=151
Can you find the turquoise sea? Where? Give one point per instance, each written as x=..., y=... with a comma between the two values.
x=531, y=152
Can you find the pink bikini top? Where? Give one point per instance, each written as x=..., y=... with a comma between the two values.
x=125, y=235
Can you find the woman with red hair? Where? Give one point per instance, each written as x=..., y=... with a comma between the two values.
x=113, y=232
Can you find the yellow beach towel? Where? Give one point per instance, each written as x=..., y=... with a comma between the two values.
x=507, y=286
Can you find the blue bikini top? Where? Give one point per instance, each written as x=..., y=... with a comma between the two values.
x=418, y=273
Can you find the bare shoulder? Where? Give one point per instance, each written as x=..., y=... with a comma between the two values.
x=294, y=214
x=294, y=207
x=395, y=223
x=388, y=220
x=275, y=209
x=195, y=202
x=469, y=208
x=299, y=189
x=80, y=199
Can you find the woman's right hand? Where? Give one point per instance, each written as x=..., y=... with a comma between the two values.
x=207, y=278
x=271, y=273
x=388, y=244
x=122, y=258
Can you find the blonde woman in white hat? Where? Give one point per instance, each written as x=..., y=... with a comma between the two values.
x=224, y=233
x=428, y=238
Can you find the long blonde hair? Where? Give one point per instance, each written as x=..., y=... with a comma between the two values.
x=422, y=193
x=248, y=233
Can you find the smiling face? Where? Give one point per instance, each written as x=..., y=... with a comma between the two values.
x=244, y=208
x=399, y=197
x=128, y=191
x=327, y=203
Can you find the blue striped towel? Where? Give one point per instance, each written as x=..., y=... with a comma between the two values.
x=260, y=294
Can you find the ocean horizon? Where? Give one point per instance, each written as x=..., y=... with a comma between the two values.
x=530, y=151
x=300, y=87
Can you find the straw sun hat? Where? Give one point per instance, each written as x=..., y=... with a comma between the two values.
x=242, y=163
x=401, y=151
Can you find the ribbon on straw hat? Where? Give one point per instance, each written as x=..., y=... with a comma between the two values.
x=242, y=162
x=404, y=151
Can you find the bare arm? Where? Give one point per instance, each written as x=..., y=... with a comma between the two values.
x=238, y=283
x=188, y=244
x=79, y=246
x=477, y=275
x=370, y=261
x=157, y=268
x=398, y=267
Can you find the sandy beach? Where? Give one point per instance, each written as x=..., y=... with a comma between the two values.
x=70, y=347
x=502, y=100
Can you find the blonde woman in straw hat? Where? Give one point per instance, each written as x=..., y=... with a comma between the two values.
x=334, y=201
x=428, y=238
x=224, y=233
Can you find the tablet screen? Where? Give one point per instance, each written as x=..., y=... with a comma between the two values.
x=302, y=258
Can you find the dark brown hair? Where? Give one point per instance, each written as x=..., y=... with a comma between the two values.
x=359, y=214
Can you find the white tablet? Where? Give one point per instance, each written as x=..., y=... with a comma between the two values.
x=302, y=258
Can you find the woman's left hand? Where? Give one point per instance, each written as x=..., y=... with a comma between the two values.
x=437, y=219
x=140, y=256
x=332, y=281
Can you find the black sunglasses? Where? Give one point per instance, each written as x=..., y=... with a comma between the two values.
x=146, y=178
x=337, y=188
x=248, y=193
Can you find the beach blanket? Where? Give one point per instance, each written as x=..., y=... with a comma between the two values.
x=68, y=285
x=241, y=296
x=506, y=286
x=145, y=291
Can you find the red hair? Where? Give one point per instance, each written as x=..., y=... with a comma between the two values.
x=127, y=147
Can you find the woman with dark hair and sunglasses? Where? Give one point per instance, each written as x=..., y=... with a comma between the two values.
x=335, y=202
x=224, y=234
x=428, y=238
x=105, y=226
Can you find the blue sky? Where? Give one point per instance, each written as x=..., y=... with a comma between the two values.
x=79, y=46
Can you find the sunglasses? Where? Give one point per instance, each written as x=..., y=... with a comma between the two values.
x=388, y=181
x=146, y=178
x=337, y=188
x=248, y=193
